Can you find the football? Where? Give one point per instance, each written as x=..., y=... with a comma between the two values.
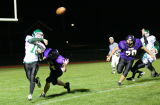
x=60, y=10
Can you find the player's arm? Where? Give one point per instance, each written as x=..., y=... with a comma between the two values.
x=150, y=53
x=114, y=50
x=64, y=66
x=108, y=52
x=33, y=40
x=41, y=46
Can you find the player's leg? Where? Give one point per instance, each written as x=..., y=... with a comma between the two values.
x=65, y=85
x=49, y=79
x=46, y=88
x=117, y=60
x=34, y=71
x=55, y=81
x=140, y=65
x=113, y=64
x=152, y=69
x=37, y=79
x=135, y=69
x=125, y=72
x=120, y=67
x=27, y=69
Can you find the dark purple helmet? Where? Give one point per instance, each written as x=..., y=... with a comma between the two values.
x=130, y=37
x=130, y=40
x=51, y=53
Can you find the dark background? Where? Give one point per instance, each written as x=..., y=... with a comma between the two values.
x=95, y=21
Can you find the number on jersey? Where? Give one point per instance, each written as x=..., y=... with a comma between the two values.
x=131, y=52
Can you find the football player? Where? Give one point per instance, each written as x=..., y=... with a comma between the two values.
x=128, y=49
x=57, y=65
x=33, y=46
x=115, y=56
x=146, y=61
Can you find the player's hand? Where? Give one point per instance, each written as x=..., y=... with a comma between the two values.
x=45, y=41
x=153, y=56
x=142, y=32
x=39, y=51
x=155, y=51
x=108, y=58
x=66, y=61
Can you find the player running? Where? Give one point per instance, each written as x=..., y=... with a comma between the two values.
x=128, y=49
x=149, y=42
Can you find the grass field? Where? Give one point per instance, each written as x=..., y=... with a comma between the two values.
x=91, y=84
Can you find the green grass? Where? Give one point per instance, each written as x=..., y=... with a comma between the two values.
x=91, y=84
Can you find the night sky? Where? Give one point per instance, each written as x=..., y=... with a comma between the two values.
x=95, y=21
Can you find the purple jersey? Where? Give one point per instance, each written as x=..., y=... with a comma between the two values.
x=127, y=52
x=57, y=63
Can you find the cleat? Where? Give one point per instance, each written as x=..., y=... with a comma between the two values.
x=42, y=95
x=67, y=87
x=140, y=75
x=155, y=74
x=38, y=82
x=30, y=97
x=113, y=72
x=119, y=84
x=130, y=79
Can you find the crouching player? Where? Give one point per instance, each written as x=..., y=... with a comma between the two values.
x=57, y=65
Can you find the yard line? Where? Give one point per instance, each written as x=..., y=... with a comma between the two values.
x=97, y=92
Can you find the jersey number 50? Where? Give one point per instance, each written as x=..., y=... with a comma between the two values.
x=131, y=53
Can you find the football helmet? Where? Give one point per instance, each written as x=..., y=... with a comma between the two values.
x=51, y=53
x=37, y=33
x=130, y=40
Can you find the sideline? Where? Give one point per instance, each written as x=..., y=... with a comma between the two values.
x=20, y=66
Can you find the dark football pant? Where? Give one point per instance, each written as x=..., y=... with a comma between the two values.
x=54, y=75
x=139, y=64
x=31, y=70
x=124, y=66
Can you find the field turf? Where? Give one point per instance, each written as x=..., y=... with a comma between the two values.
x=91, y=84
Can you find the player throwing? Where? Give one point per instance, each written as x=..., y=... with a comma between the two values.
x=33, y=47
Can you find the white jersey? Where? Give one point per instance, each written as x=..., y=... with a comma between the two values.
x=112, y=47
x=30, y=50
x=150, y=46
x=115, y=56
x=151, y=40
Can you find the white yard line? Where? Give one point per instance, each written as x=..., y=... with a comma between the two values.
x=97, y=92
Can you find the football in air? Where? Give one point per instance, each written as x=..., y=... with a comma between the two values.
x=60, y=10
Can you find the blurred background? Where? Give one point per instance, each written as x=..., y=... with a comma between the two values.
x=80, y=34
